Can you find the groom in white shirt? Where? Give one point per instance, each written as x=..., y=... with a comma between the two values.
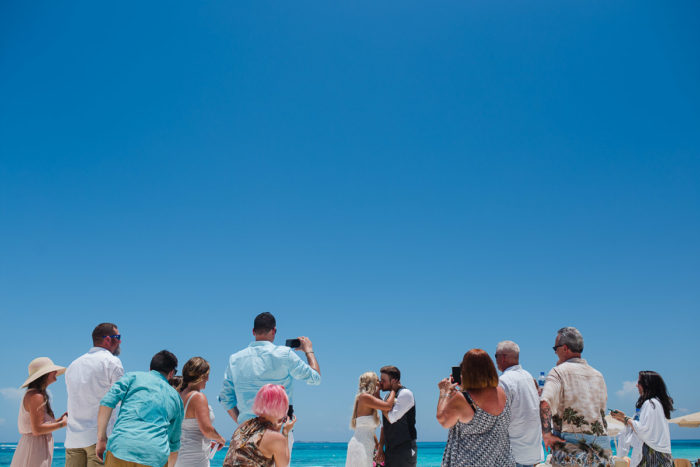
x=88, y=379
x=397, y=443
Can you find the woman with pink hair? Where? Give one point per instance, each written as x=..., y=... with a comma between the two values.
x=259, y=441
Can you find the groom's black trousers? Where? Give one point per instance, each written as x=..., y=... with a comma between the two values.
x=403, y=455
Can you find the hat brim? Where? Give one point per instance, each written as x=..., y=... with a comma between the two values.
x=48, y=369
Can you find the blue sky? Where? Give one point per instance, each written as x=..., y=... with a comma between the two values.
x=400, y=182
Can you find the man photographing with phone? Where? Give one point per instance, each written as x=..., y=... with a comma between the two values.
x=263, y=362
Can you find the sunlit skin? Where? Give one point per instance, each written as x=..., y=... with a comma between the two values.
x=199, y=409
x=34, y=403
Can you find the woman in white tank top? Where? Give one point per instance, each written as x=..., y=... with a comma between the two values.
x=198, y=433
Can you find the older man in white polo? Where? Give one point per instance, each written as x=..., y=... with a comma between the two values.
x=524, y=430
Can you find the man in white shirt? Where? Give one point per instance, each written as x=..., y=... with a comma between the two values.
x=88, y=379
x=524, y=431
x=397, y=443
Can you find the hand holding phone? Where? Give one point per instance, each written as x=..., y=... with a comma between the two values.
x=457, y=374
x=293, y=343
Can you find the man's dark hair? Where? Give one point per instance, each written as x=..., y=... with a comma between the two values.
x=264, y=322
x=392, y=372
x=164, y=362
x=101, y=331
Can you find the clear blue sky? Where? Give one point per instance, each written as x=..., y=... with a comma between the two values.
x=400, y=181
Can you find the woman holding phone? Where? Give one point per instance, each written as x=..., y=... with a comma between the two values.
x=263, y=441
x=477, y=417
x=649, y=435
x=365, y=421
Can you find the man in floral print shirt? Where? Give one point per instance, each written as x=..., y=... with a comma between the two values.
x=572, y=407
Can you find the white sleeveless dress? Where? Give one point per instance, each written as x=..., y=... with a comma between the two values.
x=194, y=446
x=361, y=445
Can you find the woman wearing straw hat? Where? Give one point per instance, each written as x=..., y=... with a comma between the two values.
x=36, y=421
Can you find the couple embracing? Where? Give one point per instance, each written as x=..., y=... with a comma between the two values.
x=397, y=443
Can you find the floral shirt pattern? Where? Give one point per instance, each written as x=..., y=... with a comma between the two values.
x=244, y=450
x=577, y=395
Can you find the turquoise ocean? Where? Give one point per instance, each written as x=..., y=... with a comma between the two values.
x=333, y=454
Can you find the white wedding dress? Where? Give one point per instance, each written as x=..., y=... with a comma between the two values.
x=361, y=445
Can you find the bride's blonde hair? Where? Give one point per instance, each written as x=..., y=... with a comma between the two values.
x=368, y=385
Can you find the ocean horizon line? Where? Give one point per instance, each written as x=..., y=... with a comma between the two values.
x=60, y=444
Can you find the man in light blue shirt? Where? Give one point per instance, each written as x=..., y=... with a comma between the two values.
x=147, y=431
x=261, y=363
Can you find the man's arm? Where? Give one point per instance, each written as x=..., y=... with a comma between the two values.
x=308, y=349
x=546, y=421
x=404, y=402
x=103, y=415
x=175, y=428
x=114, y=396
x=234, y=413
x=172, y=459
x=550, y=396
x=300, y=370
x=227, y=396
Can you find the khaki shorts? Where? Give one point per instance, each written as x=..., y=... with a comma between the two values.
x=111, y=461
x=82, y=457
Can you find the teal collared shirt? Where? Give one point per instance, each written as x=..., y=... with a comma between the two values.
x=261, y=363
x=150, y=418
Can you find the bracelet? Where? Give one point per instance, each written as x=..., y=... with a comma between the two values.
x=444, y=396
x=307, y=353
x=627, y=419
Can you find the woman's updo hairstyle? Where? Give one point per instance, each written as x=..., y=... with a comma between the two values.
x=194, y=372
x=367, y=385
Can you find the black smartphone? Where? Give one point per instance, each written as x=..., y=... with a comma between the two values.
x=457, y=374
x=293, y=343
x=290, y=412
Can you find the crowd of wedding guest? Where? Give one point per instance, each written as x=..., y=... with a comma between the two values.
x=155, y=418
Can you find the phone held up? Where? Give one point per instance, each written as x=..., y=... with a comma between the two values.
x=457, y=374
x=293, y=343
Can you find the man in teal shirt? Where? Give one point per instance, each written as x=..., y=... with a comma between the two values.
x=261, y=363
x=147, y=430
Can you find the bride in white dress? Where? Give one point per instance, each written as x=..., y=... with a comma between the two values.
x=365, y=421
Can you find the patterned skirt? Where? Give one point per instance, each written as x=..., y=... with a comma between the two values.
x=651, y=458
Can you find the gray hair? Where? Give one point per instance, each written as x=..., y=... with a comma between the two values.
x=508, y=347
x=572, y=338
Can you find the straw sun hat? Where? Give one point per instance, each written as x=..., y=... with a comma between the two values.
x=41, y=366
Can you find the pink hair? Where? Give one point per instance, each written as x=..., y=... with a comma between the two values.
x=271, y=402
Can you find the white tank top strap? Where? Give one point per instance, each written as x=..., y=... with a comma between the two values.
x=187, y=402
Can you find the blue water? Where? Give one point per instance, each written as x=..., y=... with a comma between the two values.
x=333, y=454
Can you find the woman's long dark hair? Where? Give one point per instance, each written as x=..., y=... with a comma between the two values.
x=39, y=385
x=653, y=386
